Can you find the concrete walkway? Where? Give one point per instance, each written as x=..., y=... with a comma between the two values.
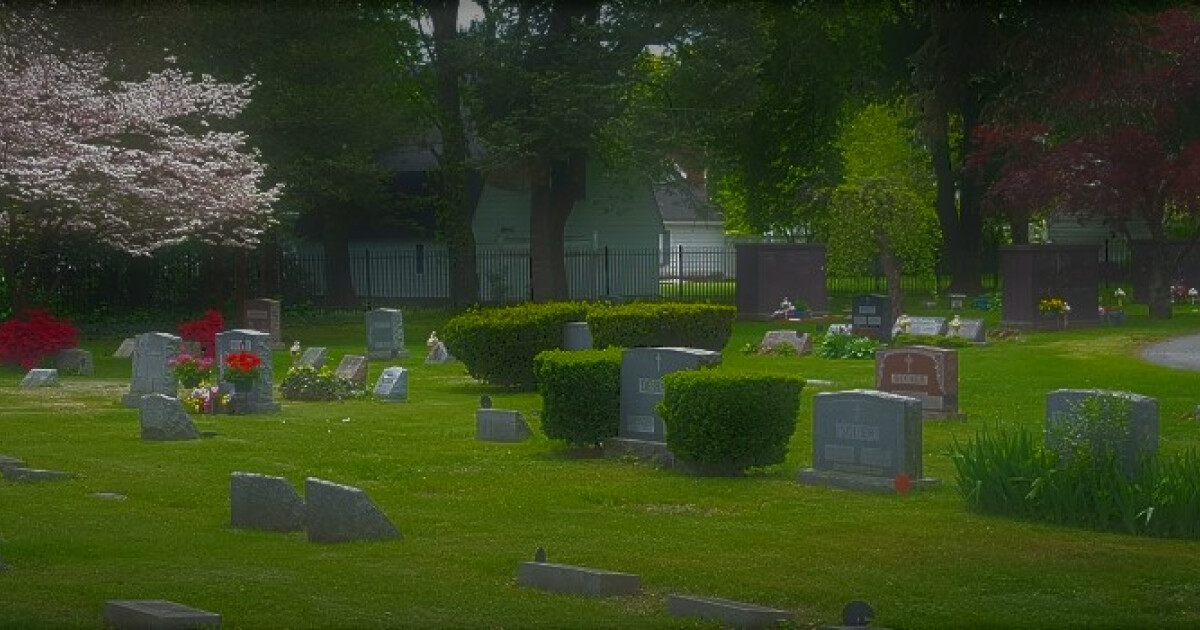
x=1181, y=353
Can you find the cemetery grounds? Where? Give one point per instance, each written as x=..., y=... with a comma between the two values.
x=470, y=512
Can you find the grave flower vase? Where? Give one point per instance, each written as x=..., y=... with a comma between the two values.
x=243, y=386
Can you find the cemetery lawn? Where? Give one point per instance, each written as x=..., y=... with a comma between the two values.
x=470, y=511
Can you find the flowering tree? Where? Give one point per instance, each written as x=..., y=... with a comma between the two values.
x=136, y=165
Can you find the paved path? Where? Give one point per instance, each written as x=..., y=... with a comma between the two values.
x=1182, y=353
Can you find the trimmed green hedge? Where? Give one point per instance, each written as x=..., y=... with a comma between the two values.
x=497, y=345
x=581, y=394
x=729, y=421
x=706, y=326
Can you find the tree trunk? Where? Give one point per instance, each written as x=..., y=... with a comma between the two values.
x=552, y=197
x=1159, y=285
x=339, y=278
x=891, y=271
x=456, y=208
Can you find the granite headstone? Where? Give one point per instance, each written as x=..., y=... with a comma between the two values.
x=260, y=399
x=353, y=368
x=926, y=373
x=385, y=334
x=1067, y=407
x=392, y=385
x=871, y=316
x=337, y=513
x=151, y=374
x=313, y=357
x=264, y=315
x=642, y=370
x=39, y=377
x=163, y=418
x=264, y=502
x=74, y=361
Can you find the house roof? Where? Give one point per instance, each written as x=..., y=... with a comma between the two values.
x=685, y=202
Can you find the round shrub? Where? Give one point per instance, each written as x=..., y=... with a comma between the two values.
x=729, y=421
x=706, y=326
x=35, y=334
x=581, y=394
x=497, y=345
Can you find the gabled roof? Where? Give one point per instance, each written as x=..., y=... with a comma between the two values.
x=681, y=201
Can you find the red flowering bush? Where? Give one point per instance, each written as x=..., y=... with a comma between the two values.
x=204, y=331
x=242, y=366
x=28, y=338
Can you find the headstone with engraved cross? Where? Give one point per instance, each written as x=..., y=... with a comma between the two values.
x=642, y=370
x=151, y=375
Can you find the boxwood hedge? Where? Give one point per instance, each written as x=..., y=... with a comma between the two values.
x=497, y=345
x=705, y=326
x=581, y=394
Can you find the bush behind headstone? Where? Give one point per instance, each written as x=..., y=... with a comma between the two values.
x=667, y=325
x=728, y=420
x=498, y=345
x=581, y=394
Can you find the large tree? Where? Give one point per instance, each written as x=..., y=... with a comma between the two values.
x=135, y=165
x=551, y=77
x=1115, y=141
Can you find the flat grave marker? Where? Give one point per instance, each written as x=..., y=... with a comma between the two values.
x=392, y=385
x=353, y=368
x=156, y=614
x=501, y=425
x=313, y=357
x=39, y=377
x=563, y=578
x=730, y=613
x=935, y=326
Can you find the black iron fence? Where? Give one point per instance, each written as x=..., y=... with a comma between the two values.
x=191, y=279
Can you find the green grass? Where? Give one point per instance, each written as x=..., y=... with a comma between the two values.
x=470, y=512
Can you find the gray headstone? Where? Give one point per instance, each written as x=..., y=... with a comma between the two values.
x=7, y=462
x=40, y=377
x=74, y=361
x=921, y=326
x=261, y=399
x=577, y=336
x=730, y=613
x=353, y=368
x=642, y=370
x=338, y=513
x=125, y=350
x=163, y=418
x=801, y=343
x=865, y=439
x=151, y=374
x=562, y=578
x=969, y=329
x=926, y=373
x=500, y=425
x=392, y=385
x=32, y=475
x=156, y=614
x=264, y=316
x=385, y=334
x=313, y=357
x=264, y=502
x=1062, y=407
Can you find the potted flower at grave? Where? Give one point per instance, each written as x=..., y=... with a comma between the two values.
x=189, y=369
x=241, y=369
x=1056, y=308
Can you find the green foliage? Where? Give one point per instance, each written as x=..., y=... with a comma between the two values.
x=498, y=344
x=886, y=203
x=581, y=394
x=705, y=326
x=1010, y=473
x=940, y=341
x=729, y=421
x=304, y=382
x=846, y=347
